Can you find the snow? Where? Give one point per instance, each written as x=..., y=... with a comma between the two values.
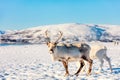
x=33, y=62
x=86, y=32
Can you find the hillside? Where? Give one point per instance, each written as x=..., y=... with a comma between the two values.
x=71, y=32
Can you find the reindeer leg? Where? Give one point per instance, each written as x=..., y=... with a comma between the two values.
x=65, y=64
x=101, y=65
x=80, y=68
x=90, y=66
x=109, y=62
x=90, y=61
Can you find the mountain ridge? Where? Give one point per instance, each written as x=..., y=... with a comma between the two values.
x=71, y=32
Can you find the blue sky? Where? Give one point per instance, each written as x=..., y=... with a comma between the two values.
x=20, y=14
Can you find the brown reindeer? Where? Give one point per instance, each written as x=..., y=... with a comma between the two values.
x=70, y=53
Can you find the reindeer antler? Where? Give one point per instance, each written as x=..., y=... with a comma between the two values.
x=46, y=33
x=59, y=36
x=47, y=37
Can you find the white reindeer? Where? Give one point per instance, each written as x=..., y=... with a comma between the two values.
x=100, y=52
x=116, y=42
x=70, y=53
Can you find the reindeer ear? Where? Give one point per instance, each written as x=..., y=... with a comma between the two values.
x=56, y=43
x=47, y=43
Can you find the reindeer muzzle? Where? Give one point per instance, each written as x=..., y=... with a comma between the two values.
x=51, y=51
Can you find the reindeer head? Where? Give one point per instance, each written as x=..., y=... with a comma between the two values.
x=51, y=45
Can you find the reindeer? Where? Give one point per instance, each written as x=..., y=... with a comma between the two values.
x=116, y=42
x=99, y=52
x=70, y=53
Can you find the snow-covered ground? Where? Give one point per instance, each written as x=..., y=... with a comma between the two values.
x=33, y=62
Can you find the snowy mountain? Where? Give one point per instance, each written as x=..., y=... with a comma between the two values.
x=71, y=32
x=2, y=32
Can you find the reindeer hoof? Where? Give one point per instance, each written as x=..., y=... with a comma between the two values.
x=88, y=74
x=66, y=74
x=111, y=72
x=98, y=72
x=76, y=74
